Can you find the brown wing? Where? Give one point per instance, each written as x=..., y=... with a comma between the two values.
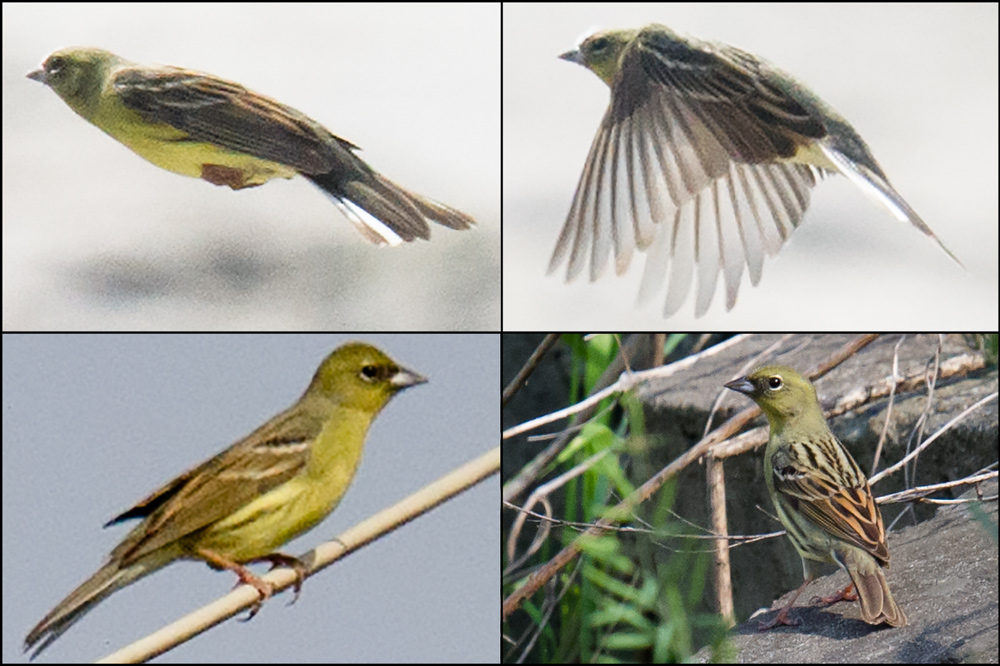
x=685, y=169
x=226, y=114
x=734, y=94
x=268, y=457
x=842, y=504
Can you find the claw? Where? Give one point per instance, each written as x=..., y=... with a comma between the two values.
x=247, y=577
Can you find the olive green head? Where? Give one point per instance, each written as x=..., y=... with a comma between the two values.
x=601, y=52
x=782, y=394
x=77, y=75
x=360, y=376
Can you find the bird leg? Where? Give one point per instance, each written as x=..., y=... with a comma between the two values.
x=247, y=577
x=782, y=617
x=847, y=594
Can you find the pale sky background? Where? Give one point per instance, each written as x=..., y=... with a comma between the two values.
x=96, y=237
x=918, y=82
x=93, y=424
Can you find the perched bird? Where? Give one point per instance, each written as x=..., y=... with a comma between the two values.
x=202, y=126
x=271, y=486
x=704, y=161
x=821, y=495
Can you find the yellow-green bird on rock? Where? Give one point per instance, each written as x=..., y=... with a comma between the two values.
x=704, y=161
x=202, y=126
x=240, y=506
x=821, y=495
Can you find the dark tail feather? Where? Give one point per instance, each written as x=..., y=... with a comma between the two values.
x=386, y=213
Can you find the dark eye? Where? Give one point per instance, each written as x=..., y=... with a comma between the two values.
x=369, y=373
x=598, y=44
x=774, y=383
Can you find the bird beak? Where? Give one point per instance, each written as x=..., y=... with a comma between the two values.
x=573, y=56
x=406, y=378
x=741, y=385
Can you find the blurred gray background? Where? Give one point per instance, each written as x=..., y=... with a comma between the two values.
x=96, y=237
x=918, y=82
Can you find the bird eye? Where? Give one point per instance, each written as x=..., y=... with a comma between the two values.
x=369, y=373
x=774, y=383
x=599, y=44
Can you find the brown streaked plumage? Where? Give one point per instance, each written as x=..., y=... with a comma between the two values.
x=704, y=162
x=205, y=127
x=821, y=495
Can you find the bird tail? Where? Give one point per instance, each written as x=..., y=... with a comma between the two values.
x=385, y=213
x=872, y=181
x=877, y=603
x=108, y=579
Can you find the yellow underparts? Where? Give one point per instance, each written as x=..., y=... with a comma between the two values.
x=173, y=150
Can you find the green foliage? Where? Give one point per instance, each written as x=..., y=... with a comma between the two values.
x=628, y=598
